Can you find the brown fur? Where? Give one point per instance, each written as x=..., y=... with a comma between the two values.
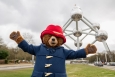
x=46, y=38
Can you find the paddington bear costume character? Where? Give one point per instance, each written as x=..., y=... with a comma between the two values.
x=51, y=55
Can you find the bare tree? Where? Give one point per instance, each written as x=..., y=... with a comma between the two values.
x=1, y=42
x=29, y=38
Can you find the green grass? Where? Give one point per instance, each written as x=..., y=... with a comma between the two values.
x=73, y=70
x=26, y=72
x=83, y=70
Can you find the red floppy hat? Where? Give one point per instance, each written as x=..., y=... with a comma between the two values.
x=54, y=30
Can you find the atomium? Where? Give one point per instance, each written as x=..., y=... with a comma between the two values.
x=76, y=13
x=94, y=30
x=101, y=36
x=75, y=43
x=77, y=33
x=96, y=26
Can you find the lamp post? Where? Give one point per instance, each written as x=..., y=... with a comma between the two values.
x=32, y=59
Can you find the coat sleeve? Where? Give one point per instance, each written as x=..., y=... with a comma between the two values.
x=71, y=54
x=28, y=48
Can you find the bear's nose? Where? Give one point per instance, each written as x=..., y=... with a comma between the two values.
x=53, y=39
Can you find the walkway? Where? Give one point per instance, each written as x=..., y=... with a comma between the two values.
x=15, y=66
x=105, y=67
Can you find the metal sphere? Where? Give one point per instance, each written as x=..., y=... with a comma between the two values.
x=101, y=36
x=96, y=26
x=76, y=13
x=80, y=43
x=77, y=33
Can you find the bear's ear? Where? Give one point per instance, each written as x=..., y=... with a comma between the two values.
x=46, y=38
x=60, y=41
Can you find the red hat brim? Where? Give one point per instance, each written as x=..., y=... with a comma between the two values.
x=54, y=34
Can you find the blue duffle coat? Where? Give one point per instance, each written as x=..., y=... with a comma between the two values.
x=50, y=62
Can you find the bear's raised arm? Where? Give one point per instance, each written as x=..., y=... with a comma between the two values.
x=71, y=54
x=16, y=36
x=81, y=53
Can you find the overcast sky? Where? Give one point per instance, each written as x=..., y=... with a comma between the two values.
x=33, y=16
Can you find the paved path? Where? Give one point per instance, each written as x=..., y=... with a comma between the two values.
x=15, y=66
x=105, y=67
x=109, y=67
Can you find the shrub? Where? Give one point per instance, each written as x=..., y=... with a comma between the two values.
x=3, y=54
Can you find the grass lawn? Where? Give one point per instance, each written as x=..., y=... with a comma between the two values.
x=83, y=70
x=73, y=70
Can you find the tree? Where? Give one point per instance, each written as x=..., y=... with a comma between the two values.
x=3, y=54
x=3, y=50
x=29, y=38
x=1, y=41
